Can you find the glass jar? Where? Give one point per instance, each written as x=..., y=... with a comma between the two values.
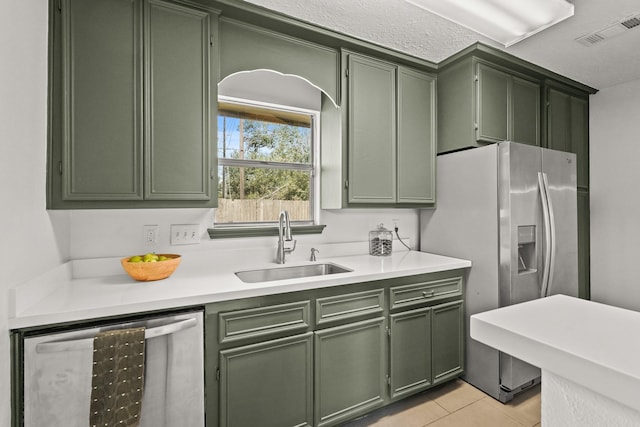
x=380, y=241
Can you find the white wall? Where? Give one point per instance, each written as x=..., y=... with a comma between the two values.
x=615, y=195
x=107, y=233
x=32, y=241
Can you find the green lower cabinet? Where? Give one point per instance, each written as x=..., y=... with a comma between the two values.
x=350, y=372
x=447, y=349
x=426, y=347
x=410, y=352
x=269, y=384
x=324, y=357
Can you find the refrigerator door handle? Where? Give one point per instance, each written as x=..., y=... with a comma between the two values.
x=87, y=343
x=552, y=223
x=546, y=217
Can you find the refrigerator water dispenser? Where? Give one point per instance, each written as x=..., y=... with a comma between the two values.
x=527, y=258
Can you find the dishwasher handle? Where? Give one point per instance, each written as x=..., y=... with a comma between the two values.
x=87, y=343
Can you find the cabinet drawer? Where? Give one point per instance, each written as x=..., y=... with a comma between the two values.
x=264, y=322
x=347, y=306
x=418, y=293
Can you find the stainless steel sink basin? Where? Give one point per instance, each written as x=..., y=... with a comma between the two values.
x=282, y=273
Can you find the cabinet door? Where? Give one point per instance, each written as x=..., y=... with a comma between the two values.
x=177, y=139
x=268, y=384
x=568, y=130
x=416, y=137
x=525, y=111
x=371, y=130
x=447, y=341
x=492, y=106
x=410, y=352
x=580, y=138
x=102, y=96
x=350, y=370
x=558, y=120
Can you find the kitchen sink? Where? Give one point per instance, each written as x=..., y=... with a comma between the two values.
x=282, y=273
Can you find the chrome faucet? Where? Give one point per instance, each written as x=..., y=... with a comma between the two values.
x=284, y=235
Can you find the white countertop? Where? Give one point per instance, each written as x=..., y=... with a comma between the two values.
x=70, y=293
x=591, y=344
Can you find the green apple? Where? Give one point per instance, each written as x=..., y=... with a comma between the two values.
x=150, y=257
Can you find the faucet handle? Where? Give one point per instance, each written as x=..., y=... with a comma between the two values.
x=314, y=251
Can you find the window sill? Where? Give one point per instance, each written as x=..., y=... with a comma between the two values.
x=235, y=232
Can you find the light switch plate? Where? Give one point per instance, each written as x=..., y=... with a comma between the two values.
x=185, y=234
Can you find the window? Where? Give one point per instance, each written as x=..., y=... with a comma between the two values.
x=265, y=163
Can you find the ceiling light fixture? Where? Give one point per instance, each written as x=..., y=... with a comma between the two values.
x=505, y=21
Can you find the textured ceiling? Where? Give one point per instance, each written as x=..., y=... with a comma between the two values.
x=404, y=27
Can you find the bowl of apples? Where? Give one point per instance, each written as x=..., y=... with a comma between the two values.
x=150, y=266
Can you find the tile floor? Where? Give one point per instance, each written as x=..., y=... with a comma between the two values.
x=456, y=404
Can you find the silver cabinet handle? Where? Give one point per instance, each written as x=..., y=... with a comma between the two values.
x=427, y=294
x=87, y=343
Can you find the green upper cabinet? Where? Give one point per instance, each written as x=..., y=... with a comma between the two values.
x=389, y=135
x=492, y=100
x=178, y=114
x=416, y=149
x=568, y=128
x=480, y=102
x=102, y=96
x=371, y=134
x=131, y=105
x=525, y=111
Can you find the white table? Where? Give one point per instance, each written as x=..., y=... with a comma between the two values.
x=589, y=354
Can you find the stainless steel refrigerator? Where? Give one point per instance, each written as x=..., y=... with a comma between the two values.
x=512, y=210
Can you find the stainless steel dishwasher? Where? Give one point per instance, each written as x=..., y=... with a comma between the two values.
x=58, y=373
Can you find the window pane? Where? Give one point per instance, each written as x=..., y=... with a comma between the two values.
x=241, y=138
x=256, y=194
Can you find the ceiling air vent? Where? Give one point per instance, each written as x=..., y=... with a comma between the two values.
x=590, y=39
x=631, y=22
x=613, y=30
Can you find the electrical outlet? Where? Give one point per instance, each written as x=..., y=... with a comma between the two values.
x=185, y=234
x=150, y=235
x=396, y=224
